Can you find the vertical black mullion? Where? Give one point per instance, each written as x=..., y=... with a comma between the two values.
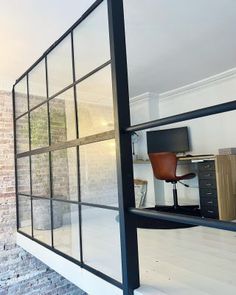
x=77, y=148
x=30, y=161
x=15, y=158
x=128, y=231
x=50, y=153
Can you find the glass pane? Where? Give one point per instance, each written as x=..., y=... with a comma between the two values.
x=66, y=228
x=166, y=69
x=94, y=96
x=40, y=175
x=91, y=42
x=24, y=214
x=39, y=127
x=22, y=134
x=42, y=220
x=191, y=261
x=23, y=176
x=98, y=173
x=101, y=240
x=62, y=117
x=21, y=100
x=60, y=67
x=64, y=171
x=37, y=84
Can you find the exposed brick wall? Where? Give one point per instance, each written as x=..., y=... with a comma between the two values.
x=20, y=272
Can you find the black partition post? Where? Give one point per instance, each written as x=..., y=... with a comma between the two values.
x=128, y=231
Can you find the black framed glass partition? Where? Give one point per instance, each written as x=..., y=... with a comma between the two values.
x=73, y=156
x=66, y=148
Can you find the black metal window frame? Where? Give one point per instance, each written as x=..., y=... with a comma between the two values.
x=122, y=135
x=114, y=60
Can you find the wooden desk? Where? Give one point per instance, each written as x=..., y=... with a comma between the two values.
x=217, y=184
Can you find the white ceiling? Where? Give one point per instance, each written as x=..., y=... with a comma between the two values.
x=28, y=28
x=171, y=43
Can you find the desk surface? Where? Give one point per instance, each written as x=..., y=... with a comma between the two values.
x=186, y=158
x=197, y=158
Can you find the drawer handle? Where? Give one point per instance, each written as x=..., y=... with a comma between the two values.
x=208, y=175
x=209, y=193
x=210, y=202
x=207, y=166
x=208, y=184
x=210, y=211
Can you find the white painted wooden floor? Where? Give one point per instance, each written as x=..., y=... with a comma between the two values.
x=194, y=261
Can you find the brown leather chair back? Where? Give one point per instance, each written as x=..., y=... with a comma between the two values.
x=164, y=165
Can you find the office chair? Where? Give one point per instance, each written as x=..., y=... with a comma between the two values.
x=164, y=168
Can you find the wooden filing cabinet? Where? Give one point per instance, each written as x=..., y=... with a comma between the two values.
x=217, y=187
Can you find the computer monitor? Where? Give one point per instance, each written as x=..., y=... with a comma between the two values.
x=174, y=140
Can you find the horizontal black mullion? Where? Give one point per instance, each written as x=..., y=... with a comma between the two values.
x=103, y=276
x=203, y=112
x=41, y=197
x=66, y=88
x=83, y=17
x=82, y=265
x=185, y=219
x=107, y=207
x=22, y=194
x=65, y=201
x=92, y=72
x=72, y=143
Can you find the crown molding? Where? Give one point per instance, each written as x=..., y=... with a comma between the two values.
x=143, y=97
x=198, y=85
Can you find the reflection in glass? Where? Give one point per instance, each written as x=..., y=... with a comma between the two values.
x=40, y=175
x=91, y=42
x=21, y=100
x=37, y=84
x=64, y=172
x=60, y=67
x=42, y=220
x=94, y=96
x=98, y=176
x=101, y=240
x=66, y=228
x=24, y=214
x=23, y=175
x=62, y=117
x=39, y=127
x=22, y=134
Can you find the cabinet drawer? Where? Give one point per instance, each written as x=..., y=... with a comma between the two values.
x=207, y=174
x=209, y=203
x=208, y=193
x=210, y=212
x=207, y=183
x=207, y=165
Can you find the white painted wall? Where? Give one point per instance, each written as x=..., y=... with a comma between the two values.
x=210, y=133
x=207, y=134
x=142, y=109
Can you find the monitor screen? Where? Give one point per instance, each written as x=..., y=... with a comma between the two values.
x=174, y=140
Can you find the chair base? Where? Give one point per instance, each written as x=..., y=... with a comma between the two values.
x=192, y=210
x=146, y=222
